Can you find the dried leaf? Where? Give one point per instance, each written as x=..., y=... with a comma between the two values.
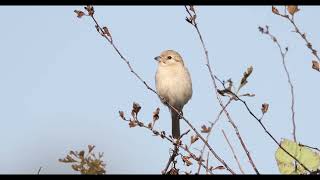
x=205, y=129
x=150, y=125
x=79, y=13
x=264, y=107
x=315, y=65
x=192, y=8
x=121, y=114
x=186, y=160
x=194, y=138
x=230, y=84
x=245, y=77
x=90, y=10
x=106, y=31
x=132, y=124
x=156, y=115
x=173, y=171
x=81, y=154
x=163, y=134
x=292, y=9
x=135, y=109
x=275, y=10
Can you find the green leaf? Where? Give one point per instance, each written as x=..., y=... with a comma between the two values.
x=306, y=156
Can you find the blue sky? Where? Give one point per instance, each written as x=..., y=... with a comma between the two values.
x=63, y=85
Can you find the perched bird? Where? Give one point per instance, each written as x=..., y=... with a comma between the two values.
x=173, y=83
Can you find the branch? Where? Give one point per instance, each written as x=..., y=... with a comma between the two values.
x=234, y=155
x=192, y=20
x=211, y=130
x=108, y=37
x=176, y=143
x=39, y=170
x=298, y=31
x=283, y=55
x=265, y=129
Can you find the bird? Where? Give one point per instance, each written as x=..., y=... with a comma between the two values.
x=173, y=85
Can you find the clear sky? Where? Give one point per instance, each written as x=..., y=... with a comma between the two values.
x=62, y=85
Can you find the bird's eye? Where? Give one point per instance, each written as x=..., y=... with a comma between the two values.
x=169, y=57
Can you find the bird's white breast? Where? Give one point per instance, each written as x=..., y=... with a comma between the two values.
x=174, y=84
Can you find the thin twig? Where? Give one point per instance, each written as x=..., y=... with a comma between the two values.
x=234, y=154
x=283, y=55
x=265, y=129
x=163, y=135
x=193, y=22
x=149, y=88
x=39, y=170
x=175, y=152
x=171, y=159
x=207, y=164
x=211, y=130
x=317, y=149
x=302, y=35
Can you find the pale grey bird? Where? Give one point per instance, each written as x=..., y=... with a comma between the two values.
x=173, y=83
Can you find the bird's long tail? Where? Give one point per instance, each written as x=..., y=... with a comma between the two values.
x=175, y=124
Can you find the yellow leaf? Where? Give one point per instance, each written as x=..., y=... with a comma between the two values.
x=306, y=156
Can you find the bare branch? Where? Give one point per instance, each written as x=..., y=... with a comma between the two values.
x=283, y=55
x=100, y=30
x=234, y=154
x=193, y=22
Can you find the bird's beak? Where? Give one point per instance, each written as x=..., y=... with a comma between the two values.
x=157, y=58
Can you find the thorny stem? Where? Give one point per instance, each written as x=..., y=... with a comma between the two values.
x=149, y=88
x=234, y=154
x=195, y=25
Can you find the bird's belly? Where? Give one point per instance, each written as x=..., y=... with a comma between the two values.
x=175, y=89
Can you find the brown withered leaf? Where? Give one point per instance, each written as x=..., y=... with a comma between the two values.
x=79, y=13
x=275, y=10
x=292, y=9
x=81, y=154
x=106, y=31
x=194, y=138
x=150, y=125
x=264, y=107
x=132, y=124
x=163, y=134
x=186, y=160
x=173, y=171
x=192, y=8
x=90, y=10
x=156, y=115
x=315, y=65
x=121, y=114
x=205, y=129
x=135, y=109
x=246, y=74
